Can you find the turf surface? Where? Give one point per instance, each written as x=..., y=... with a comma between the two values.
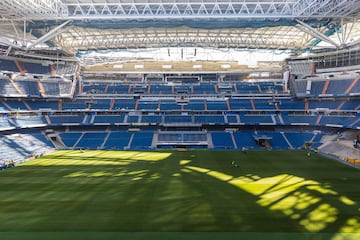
x=180, y=195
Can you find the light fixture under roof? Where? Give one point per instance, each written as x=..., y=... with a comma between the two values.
x=167, y=66
x=225, y=66
x=118, y=66
x=139, y=66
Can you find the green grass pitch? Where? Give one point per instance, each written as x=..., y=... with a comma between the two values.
x=194, y=194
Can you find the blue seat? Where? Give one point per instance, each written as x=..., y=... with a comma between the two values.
x=142, y=140
x=222, y=140
x=117, y=140
x=91, y=140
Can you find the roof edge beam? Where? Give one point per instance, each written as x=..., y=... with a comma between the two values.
x=52, y=33
x=354, y=43
x=8, y=43
x=317, y=34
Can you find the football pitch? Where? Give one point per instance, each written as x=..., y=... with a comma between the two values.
x=195, y=194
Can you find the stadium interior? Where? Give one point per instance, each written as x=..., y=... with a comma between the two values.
x=170, y=119
x=62, y=88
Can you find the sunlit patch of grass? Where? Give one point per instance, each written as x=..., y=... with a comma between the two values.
x=352, y=225
x=135, y=155
x=216, y=174
x=321, y=189
x=282, y=193
x=296, y=202
x=346, y=200
x=184, y=162
x=221, y=176
x=320, y=217
x=346, y=236
x=106, y=174
x=199, y=169
x=67, y=162
x=96, y=157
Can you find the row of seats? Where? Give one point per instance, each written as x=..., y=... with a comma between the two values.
x=348, y=121
x=199, y=88
x=274, y=140
x=34, y=88
x=118, y=140
x=20, y=146
x=219, y=140
x=326, y=87
x=59, y=68
x=232, y=104
x=181, y=137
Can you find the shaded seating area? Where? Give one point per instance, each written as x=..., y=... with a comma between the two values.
x=20, y=146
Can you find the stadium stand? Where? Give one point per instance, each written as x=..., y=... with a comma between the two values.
x=109, y=119
x=132, y=119
x=245, y=140
x=70, y=138
x=120, y=104
x=190, y=112
x=67, y=119
x=151, y=119
x=21, y=146
x=169, y=119
x=297, y=140
x=141, y=140
x=257, y=119
x=4, y=123
x=30, y=121
x=219, y=105
x=90, y=140
x=191, y=139
x=222, y=140
x=118, y=140
x=210, y=119
x=37, y=67
x=195, y=105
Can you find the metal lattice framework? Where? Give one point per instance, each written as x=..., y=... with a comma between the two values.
x=83, y=39
x=60, y=19
x=182, y=9
x=13, y=10
x=135, y=9
x=211, y=9
x=326, y=8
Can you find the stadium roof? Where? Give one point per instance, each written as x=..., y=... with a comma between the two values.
x=81, y=25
